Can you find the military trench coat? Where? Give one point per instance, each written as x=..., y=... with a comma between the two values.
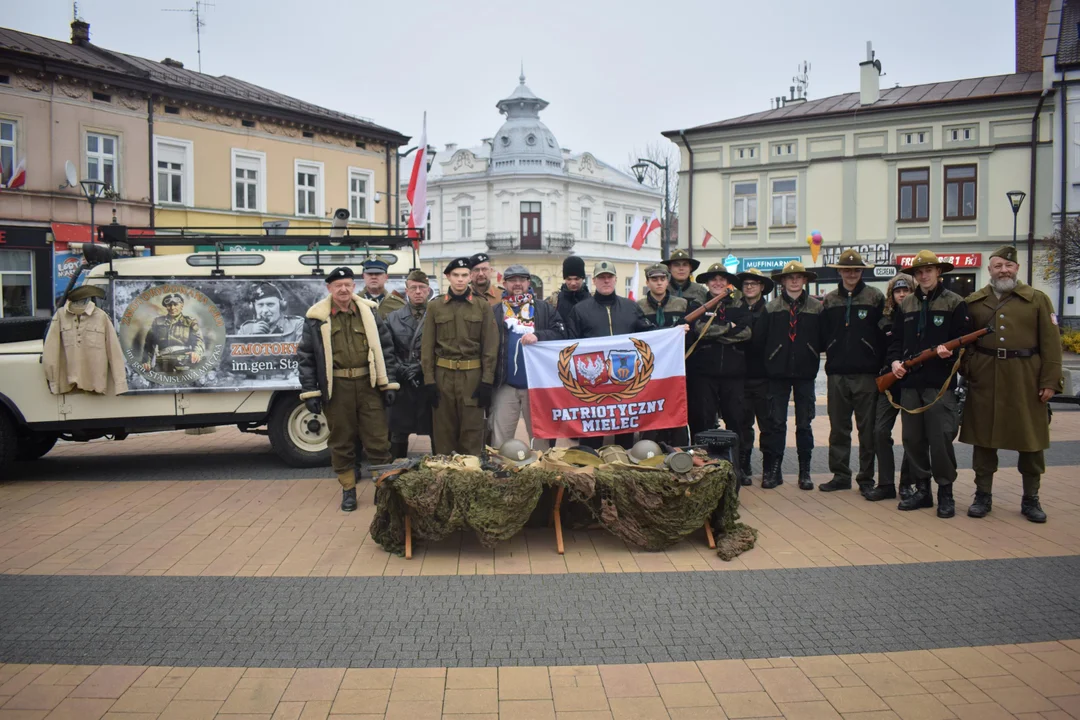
x=1003, y=409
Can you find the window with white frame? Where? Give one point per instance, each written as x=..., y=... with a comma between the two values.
x=308, y=188
x=611, y=227
x=464, y=214
x=629, y=226
x=173, y=171
x=360, y=182
x=784, y=149
x=427, y=226
x=746, y=153
x=249, y=180
x=16, y=275
x=630, y=287
x=101, y=158
x=783, y=202
x=9, y=133
x=960, y=134
x=586, y=220
x=915, y=137
x=744, y=205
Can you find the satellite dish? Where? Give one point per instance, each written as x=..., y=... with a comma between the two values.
x=71, y=175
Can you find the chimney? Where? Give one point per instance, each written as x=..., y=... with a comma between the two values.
x=451, y=147
x=80, y=32
x=172, y=63
x=1030, y=28
x=869, y=71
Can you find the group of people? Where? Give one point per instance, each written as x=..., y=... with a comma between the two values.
x=380, y=367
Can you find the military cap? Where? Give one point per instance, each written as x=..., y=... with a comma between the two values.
x=718, y=269
x=375, y=266
x=604, y=267
x=417, y=276
x=926, y=258
x=657, y=270
x=478, y=258
x=1005, y=252
x=85, y=292
x=461, y=262
x=682, y=255
x=850, y=259
x=794, y=268
x=266, y=290
x=173, y=299
x=339, y=273
x=767, y=283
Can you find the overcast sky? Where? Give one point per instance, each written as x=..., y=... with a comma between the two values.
x=616, y=72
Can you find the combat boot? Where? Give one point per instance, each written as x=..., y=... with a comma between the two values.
x=744, y=464
x=348, y=499
x=832, y=485
x=771, y=476
x=920, y=498
x=881, y=492
x=805, y=483
x=907, y=489
x=981, y=505
x=946, y=506
x=865, y=486
x=1031, y=509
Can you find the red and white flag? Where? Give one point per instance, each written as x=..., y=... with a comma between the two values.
x=635, y=282
x=708, y=237
x=607, y=385
x=644, y=230
x=635, y=232
x=417, y=192
x=18, y=176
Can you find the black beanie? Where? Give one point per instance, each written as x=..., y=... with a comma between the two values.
x=573, y=265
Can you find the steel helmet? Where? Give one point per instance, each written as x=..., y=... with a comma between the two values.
x=517, y=452
x=644, y=450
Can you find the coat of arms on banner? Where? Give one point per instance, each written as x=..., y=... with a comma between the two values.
x=594, y=377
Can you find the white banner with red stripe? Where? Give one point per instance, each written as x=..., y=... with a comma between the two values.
x=607, y=385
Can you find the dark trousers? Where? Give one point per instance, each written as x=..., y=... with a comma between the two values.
x=755, y=405
x=458, y=423
x=708, y=396
x=929, y=436
x=984, y=461
x=780, y=391
x=883, y=445
x=355, y=412
x=851, y=394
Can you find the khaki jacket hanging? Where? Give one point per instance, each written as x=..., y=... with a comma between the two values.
x=82, y=352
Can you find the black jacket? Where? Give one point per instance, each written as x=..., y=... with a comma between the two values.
x=411, y=413
x=755, y=358
x=564, y=300
x=722, y=350
x=787, y=358
x=603, y=315
x=547, y=324
x=850, y=332
x=924, y=321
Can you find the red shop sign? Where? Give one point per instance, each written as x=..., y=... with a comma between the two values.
x=960, y=260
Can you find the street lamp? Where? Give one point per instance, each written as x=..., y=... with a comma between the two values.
x=92, y=189
x=1016, y=199
x=640, y=169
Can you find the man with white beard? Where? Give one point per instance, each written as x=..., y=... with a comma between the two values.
x=1011, y=374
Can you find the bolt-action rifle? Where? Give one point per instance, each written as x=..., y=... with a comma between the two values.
x=691, y=317
x=887, y=380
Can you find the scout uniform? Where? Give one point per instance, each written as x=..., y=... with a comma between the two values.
x=387, y=302
x=494, y=292
x=170, y=340
x=459, y=351
x=755, y=385
x=854, y=351
x=688, y=289
x=1020, y=356
x=668, y=312
x=927, y=392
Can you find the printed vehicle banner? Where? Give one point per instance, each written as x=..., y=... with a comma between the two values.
x=607, y=385
x=212, y=333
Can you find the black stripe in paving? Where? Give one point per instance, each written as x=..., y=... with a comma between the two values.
x=535, y=620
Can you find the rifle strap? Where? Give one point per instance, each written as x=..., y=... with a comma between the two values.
x=941, y=392
x=700, y=335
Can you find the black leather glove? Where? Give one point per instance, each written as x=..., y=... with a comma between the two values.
x=314, y=405
x=482, y=394
x=432, y=392
x=388, y=397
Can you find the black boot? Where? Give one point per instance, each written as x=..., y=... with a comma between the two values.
x=1031, y=509
x=744, y=464
x=771, y=476
x=921, y=498
x=399, y=450
x=348, y=500
x=881, y=492
x=805, y=483
x=981, y=505
x=946, y=506
x=865, y=486
x=832, y=485
x=907, y=489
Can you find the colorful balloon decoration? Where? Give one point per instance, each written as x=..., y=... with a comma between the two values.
x=814, y=240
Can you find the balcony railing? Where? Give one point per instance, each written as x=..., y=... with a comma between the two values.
x=548, y=242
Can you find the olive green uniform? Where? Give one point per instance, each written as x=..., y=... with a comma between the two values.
x=387, y=302
x=355, y=409
x=170, y=340
x=459, y=350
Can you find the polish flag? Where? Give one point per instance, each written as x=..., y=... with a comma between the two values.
x=635, y=282
x=18, y=177
x=417, y=192
x=643, y=232
x=635, y=233
x=708, y=237
x=561, y=372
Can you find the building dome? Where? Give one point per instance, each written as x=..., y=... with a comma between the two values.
x=524, y=144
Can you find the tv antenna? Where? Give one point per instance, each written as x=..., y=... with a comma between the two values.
x=196, y=11
x=802, y=79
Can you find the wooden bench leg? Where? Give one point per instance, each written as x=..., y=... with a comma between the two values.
x=558, y=522
x=408, y=536
x=709, y=535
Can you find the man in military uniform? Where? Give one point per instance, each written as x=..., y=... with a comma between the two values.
x=755, y=285
x=681, y=265
x=174, y=343
x=348, y=370
x=928, y=318
x=375, y=288
x=854, y=350
x=411, y=414
x=659, y=305
x=480, y=279
x=1011, y=375
x=270, y=318
x=458, y=352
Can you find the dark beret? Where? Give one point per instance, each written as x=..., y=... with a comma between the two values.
x=339, y=273
x=266, y=290
x=461, y=262
x=478, y=258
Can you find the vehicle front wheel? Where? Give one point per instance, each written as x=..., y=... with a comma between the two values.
x=34, y=445
x=298, y=436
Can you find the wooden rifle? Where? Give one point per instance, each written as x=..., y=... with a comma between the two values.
x=887, y=380
x=691, y=317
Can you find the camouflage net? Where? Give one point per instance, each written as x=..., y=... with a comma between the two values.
x=649, y=507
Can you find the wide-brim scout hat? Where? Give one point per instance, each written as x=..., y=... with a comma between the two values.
x=682, y=255
x=86, y=292
x=926, y=258
x=717, y=270
x=767, y=284
x=794, y=268
x=852, y=260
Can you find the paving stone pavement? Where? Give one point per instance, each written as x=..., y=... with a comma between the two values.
x=535, y=620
